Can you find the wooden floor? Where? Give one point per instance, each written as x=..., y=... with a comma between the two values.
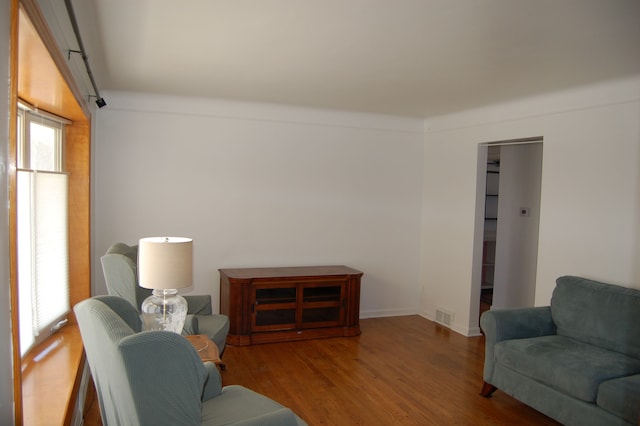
x=400, y=371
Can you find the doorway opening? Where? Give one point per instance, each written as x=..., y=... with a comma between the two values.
x=507, y=221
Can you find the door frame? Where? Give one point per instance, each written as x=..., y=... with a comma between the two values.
x=479, y=224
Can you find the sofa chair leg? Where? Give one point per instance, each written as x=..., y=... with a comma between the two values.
x=487, y=390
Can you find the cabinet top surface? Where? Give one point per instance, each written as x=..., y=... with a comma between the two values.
x=289, y=271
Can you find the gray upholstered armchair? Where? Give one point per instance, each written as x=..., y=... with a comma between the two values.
x=157, y=377
x=120, y=267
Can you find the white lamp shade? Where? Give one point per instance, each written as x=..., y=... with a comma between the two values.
x=165, y=262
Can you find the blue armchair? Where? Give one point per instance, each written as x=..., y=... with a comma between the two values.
x=120, y=267
x=157, y=378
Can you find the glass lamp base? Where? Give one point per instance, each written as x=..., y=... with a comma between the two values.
x=164, y=310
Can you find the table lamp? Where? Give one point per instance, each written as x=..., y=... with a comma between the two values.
x=164, y=265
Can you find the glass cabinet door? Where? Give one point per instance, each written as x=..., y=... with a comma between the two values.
x=322, y=305
x=274, y=308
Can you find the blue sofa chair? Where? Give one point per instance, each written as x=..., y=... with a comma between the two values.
x=577, y=360
x=120, y=268
x=157, y=378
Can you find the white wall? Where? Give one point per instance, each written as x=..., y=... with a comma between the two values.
x=259, y=185
x=590, y=202
x=263, y=185
x=6, y=360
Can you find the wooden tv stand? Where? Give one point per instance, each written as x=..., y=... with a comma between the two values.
x=293, y=303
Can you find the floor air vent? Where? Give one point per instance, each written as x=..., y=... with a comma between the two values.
x=444, y=317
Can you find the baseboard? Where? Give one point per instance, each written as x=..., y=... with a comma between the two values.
x=387, y=313
x=465, y=331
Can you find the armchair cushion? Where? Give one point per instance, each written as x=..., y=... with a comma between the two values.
x=621, y=397
x=243, y=406
x=282, y=416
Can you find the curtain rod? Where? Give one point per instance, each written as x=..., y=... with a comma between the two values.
x=99, y=100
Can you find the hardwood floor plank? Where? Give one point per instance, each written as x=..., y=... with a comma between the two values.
x=400, y=371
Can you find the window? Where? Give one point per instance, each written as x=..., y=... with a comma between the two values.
x=42, y=194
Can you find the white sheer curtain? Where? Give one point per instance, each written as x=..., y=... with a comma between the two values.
x=43, y=259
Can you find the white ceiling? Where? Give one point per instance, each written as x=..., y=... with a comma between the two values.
x=401, y=57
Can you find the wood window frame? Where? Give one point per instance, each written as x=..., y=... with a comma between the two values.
x=51, y=371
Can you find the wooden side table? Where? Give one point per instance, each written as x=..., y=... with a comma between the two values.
x=206, y=348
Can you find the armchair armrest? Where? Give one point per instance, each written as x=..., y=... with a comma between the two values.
x=164, y=366
x=190, y=325
x=199, y=304
x=213, y=385
x=508, y=324
x=519, y=323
